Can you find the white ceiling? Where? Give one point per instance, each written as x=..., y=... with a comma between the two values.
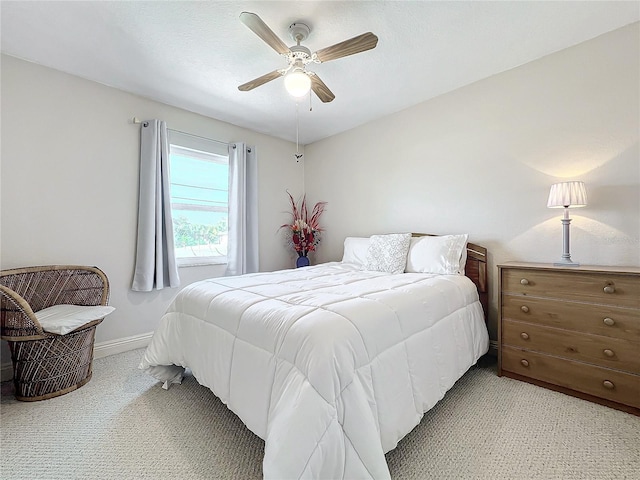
x=195, y=54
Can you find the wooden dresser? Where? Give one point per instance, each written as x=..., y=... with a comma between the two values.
x=572, y=329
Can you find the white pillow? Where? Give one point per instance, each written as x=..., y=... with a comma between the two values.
x=62, y=319
x=388, y=253
x=446, y=254
x=355, y=250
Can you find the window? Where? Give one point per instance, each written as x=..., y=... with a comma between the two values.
x=199, y=199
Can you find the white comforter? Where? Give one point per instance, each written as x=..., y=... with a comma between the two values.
x=330, y=365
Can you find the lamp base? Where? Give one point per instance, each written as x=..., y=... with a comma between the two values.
x=566, y=256
x=566, y=264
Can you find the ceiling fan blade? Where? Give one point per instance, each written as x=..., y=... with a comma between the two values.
x=321, y=90
x=257, y=26
x=358, y=44
x=256, y=82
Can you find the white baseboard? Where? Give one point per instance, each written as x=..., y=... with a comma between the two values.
x=121, y=345
x=102, y=349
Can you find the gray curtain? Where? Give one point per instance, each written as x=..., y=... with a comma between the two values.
x=242, y=250
x=156, y=266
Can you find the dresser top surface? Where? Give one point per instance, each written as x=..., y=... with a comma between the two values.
x=581, y=268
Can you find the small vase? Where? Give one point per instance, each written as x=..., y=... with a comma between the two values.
x=302, y=261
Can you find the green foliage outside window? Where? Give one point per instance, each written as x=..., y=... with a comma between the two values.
x=189, y=234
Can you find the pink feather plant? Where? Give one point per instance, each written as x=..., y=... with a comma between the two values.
x=305, y=230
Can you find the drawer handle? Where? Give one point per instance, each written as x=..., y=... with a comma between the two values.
x=524, y=336
x=524, y=281
x=524, y=308
x=609, y=321
x=608, y=353
x=608, y=384
x=524, y=363
x=609, y=289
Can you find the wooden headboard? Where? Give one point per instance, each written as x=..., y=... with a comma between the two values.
x=476, y=270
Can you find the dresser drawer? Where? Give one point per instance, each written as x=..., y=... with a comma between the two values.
x=601, y=382
x=580, y=317
x=595, y=287
x=616, y=353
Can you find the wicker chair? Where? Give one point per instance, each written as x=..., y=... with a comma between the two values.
x=47, y=365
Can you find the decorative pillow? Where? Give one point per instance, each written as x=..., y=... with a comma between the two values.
x=63, y=319
x=388, y=253
x=444, y=254
x=355, y=250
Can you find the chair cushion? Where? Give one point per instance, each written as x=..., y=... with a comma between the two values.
x=63, y=319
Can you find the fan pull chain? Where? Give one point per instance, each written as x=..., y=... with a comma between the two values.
x=298, y=155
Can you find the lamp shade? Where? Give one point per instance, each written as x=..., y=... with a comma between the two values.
x=297, y=83
x=567, y=194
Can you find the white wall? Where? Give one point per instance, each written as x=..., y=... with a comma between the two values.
x=481, y=159
x=69, y=188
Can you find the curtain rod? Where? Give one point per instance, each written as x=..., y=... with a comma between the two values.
x=136, y=120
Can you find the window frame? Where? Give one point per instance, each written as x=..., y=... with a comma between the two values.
x=205, y=150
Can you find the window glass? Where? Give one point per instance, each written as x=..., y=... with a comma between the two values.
x=199, y=200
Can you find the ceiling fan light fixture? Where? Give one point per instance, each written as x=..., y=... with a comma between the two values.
x=297, y=83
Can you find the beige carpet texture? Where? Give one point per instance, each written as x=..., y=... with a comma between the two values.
x=123, y=425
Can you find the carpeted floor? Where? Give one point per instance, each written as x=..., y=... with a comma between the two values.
x=122, y=425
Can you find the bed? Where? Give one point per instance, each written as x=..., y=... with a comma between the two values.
x=331, y=364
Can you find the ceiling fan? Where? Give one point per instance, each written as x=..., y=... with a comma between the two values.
x=298, y=79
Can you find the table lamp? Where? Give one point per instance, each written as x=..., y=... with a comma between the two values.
x=566, y=195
